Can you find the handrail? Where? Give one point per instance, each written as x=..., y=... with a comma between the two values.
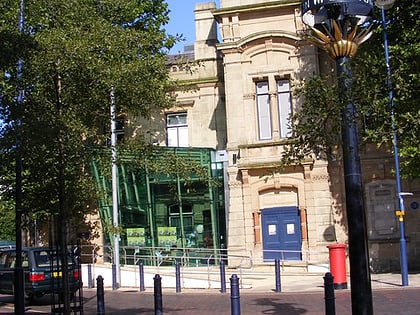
x=157, y=256
x=190, y=258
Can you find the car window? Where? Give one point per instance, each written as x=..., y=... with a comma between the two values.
x=7, y=260
x=3, y=260
x=42, y=258
x=12, y=261
x=46, y=258
x=25, y=260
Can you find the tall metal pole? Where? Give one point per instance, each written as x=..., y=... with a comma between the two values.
x=337, y=28
x=213, y=216
x=401, y=211
x=150, y=213
x=115, y=220
x=181, y=214
x=361, y=291
x=18, y=273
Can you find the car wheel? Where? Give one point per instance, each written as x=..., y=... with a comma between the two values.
x=71, y=297
x=29, y=299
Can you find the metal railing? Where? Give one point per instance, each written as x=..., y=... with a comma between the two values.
x=190, y=257
x=196, y=262
x=153, y=256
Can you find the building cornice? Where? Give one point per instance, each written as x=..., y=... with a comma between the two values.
x=245, y=163
x=196, y=82
x=272, y=164
x=255, y=36
x=267, y=144
x=219, y=13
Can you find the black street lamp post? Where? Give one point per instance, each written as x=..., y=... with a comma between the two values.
x=337, y=27
x=19, y=293
x=361, y=292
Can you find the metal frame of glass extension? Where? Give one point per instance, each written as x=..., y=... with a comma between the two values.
x=163, y=220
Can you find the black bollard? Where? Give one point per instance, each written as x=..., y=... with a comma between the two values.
x=177, y=277
x=235, y=305
x=100, y=296
x=158, y=294
x=141, y=275
x=278, y=279
x=114, y=277
x=329, y=294
x=90, y=279
x=222, y=277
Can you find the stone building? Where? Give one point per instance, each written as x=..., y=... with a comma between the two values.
x=243, y=98
x=244, y=59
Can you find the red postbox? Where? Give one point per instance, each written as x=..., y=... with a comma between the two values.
x=338, y=265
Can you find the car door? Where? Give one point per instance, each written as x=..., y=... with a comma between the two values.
x=7, y=265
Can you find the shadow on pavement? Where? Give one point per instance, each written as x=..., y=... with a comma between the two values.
x=386, y=282
x=274, y=306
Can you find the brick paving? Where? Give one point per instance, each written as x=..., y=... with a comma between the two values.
x=301, y=294
x=386, y=302
x=211, y=302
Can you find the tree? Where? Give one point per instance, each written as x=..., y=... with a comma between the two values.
x=7, y=222
x=74, y=52
x=403, y=34
x=316, y=126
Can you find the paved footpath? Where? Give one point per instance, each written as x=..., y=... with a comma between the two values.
x=302, y=294
x=211, y=302
x=189, y=303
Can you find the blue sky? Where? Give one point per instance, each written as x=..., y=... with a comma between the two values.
x=182, y=20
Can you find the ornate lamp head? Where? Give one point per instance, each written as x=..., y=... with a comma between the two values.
x=384, y=4
x=336, y=24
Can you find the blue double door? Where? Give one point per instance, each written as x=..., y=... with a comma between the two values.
x=281, y=231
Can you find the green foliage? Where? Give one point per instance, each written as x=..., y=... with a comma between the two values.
x=164, y=161
x=111, y=229
x=317, y=124
x=7, y=221
x=371, y=88
x=74, y=52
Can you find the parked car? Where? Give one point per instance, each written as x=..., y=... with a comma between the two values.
x=43, y=272
x=7, y=244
